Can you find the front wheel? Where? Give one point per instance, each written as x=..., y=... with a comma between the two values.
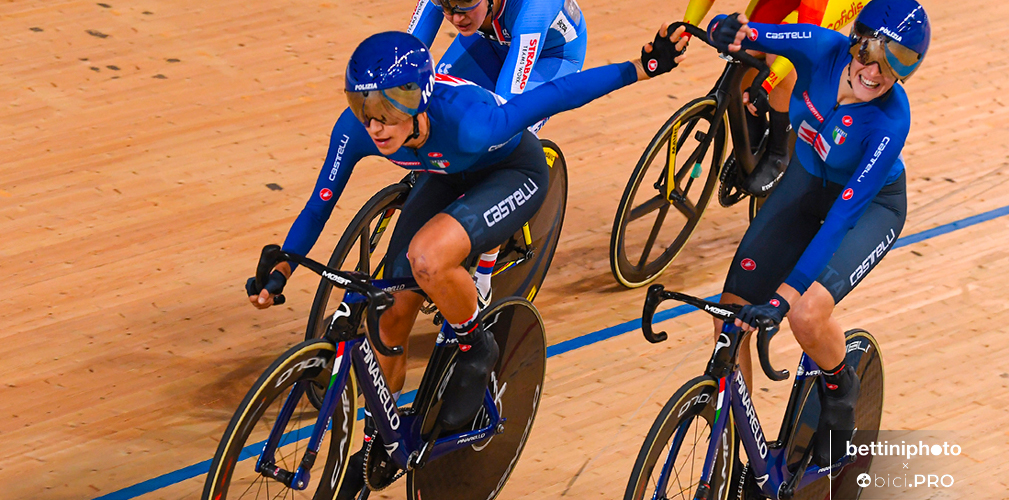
x=672, y=456
x=233, y=471
x=480, y=471
x=674, y=180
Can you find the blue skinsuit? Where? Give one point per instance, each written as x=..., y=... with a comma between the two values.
x=471, y=129
x=533, y=41
x=857, y=146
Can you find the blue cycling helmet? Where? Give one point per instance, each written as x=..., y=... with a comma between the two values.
x=389, y=78
x=893, y=33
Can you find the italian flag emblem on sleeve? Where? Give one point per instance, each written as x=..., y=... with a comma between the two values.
x=839, y=136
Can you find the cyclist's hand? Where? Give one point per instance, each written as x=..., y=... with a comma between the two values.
x=664, y=53
x=756, y=100
x=264, y=298
x=726, y=34
x=751, y=316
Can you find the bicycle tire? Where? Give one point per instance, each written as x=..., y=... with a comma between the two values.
x=391, y=197
x=696, y=398
x=312, y=362
x=526, y=279
x=686, y=118
x=479, y=472
x=864, y=355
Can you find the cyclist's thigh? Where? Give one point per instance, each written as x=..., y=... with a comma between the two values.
x=770, y=11
x=503, y=196
x=431, y=194
x=865, y=244
x=472, y=58
x=779, y=235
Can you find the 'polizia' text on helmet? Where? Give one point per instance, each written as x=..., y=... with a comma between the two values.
x=389, y=78
x=893, y=33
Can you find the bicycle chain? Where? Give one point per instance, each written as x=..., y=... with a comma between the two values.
x=367, y=460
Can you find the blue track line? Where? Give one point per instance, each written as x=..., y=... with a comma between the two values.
x=560, y=348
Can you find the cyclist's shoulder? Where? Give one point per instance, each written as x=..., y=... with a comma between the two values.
x=894, y=110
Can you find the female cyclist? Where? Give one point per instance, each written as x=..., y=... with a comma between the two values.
x=506, y=47
x=483, y=176
x=842, y=201
x=772, y=97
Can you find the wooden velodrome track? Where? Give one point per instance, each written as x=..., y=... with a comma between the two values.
x=138, y=140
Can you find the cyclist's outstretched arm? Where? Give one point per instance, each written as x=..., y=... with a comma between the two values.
x=530, y=33
x=348, y=143
x=882, y=150
x=490, y=125
x=800, y=43
x=426, y=21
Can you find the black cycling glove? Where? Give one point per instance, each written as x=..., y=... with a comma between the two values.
x=724, y=32
x=764, y=315
x=662, y=58
x=274, y=285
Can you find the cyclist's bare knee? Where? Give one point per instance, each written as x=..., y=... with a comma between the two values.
x=810, y=315
x=441, y=245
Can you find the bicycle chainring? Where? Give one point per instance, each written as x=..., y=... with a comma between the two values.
x=729, y=192
x=379, y=469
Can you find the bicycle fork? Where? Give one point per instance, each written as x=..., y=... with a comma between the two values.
x=266, y=465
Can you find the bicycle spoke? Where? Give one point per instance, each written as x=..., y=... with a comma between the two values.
x=647, y=207
x=686, y=207
x=653, y=235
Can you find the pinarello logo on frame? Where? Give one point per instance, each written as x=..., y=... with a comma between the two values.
x=753, y=34
x=325, y=194
x=848, y=193
x=748, y=264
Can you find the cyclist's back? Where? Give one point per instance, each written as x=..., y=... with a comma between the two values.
x=530, y=42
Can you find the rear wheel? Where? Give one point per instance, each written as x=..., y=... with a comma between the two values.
x=667, y=193
x=480, y=471
x=233, y=471
x=671, y=458
x=524, y=259
x=863, y=354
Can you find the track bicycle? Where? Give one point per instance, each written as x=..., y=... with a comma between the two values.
x=679, y=171
x=264, y=453
x=691, y=449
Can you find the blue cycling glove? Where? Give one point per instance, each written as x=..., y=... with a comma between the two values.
x=764, y=315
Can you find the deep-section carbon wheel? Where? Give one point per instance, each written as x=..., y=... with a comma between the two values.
x=672, y=456
x=233, y=470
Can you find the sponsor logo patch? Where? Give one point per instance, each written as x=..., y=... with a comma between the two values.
x=440, y=163
x=753, y=34
x=325, y=194
x=809, y=104
x=847, y=121
x=652, y=64
x=775, y=302
x=748, y=264
x=434, y=155
x=528, y=46
x=405, y=164
x=847, y=194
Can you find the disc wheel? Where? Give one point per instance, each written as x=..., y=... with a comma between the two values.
x=653, y=223
x=863, y=354
x=480, y=471
x=671, y=458
x=233, y=472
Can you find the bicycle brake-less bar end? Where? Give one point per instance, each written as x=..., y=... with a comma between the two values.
x=764, y=336
x=268, y=259
x=378, y=302
x=652, y=301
